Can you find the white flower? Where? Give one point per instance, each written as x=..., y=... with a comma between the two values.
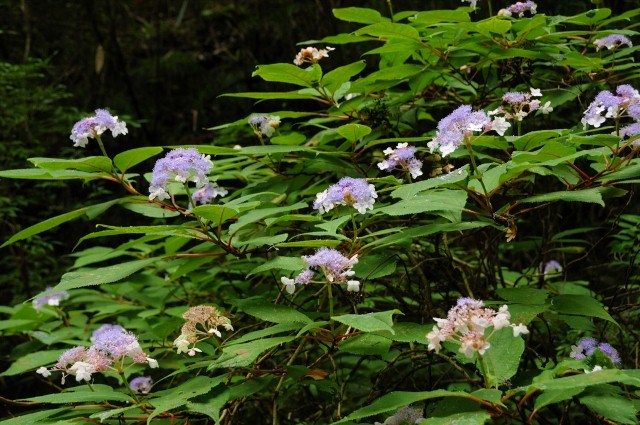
x=353, y=286
x=215, y=332
x=535, y=92
x=43, y=371
x=500, y=125
x=435, y=338
x=157, y=192
x=501, y=320
x=595, y=369
x=82, y=371
x=546, y=108
x=182, y=344
x=153, y=363
x=192, y=352
x=227, y=326
x=119, y=128
x=289, y=284
x=519, y=330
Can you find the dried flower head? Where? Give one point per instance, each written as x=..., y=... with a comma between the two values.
x=92, y=127
x=356, y=193
x=311, y=55
x=202, y=321
x=467, y=323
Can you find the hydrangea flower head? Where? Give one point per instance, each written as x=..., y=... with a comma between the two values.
x=467, y=323
x=520, y=8
x=403, y=157
x=550, y=267
x=141, y=384
x=264, y=125
x=455, y=127
x=311, y=55
x=631, y=131
x=626, y=99
x=180, y=165
x=356, y=193
x=521, y=104
x=207, y=193
x=335, y=267
x=612, y=41
x=91, y=127
x=51, y=299
x=202, y=321
x=587, y=347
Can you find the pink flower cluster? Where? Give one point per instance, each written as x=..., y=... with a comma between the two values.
x=111, y=343
x=467, y=323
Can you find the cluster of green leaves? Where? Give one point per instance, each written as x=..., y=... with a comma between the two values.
x=479, y=223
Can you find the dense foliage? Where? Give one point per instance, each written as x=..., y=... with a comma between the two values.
x=474, y=169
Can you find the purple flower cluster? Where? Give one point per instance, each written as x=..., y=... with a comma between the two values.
x=111, y=343
x=550, y=267
x=51, y=299
x=519, y=104
x=612, y=41
x=207, y=193
x=91, y=127
x=336, y=269
x=141, y=384
x=264, y=125
x=587, y=347
x=403, y=156
x=626, y=101
x=457, y=126
x=356, y=193
x=466, y=324
x=519, y=8
x=180, y=165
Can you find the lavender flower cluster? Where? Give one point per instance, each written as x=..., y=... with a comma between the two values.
x=264, y=125
x=403, y=157
x=612, y=42
x=467, y=323
x=587, y=347
x=626, y=102
x=517, y=102
x=184, y=165
x=520, y=8
x=356, y=193
x=455, y=127
x=92, y=127
x=50, y=299
x=201, y=322
x=111, y=344
x=141, y=384
x=336, y=269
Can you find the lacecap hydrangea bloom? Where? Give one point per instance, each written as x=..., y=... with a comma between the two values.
x=335, y=267
x=587, y=347
x=612, y=41
x=92, y=127
x=519, y=105
x=520, y=8
x=607, y=105
x=356, y=193
x=264, y=125
x=180, y=165
x=403, y=157
x=466, y=324
x=208, y=193
x=51, y=299
x=461, y=124
x=111, y=343
x=202, y=321
x=141, y=384
x=311, y=55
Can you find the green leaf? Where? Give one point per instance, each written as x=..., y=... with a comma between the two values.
x=370, y=322
x=281, y=263
x=179, y=396
x=32, y=418
x=288, y=73
x=366, y=345
x=434, y=200
x=408, y=191
x=109, y=274
x=128, y=159
x=291, y=139
x=98, y=393
x=275, y=313
x=31, y=361
x=591, y=195
x=523, y=295
x=88, y=164
x=334, y=79
x=313, y=243
x=585, y=380
x=465, y=418
x=494, y=25
x=502, y=359
x=408, y=332
x=396, y=400
x=257, y=215
x=359, y=15
x=581, y=305
x=556, y=396
x=284, y=95
x=353, y=132
x=405, y=235
x=57, y=221
x=438, y=17
x=38, y=174
x=390, y=30
x=604, y=401
x=217, y=214
x=241, y=355
x=150, y=210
